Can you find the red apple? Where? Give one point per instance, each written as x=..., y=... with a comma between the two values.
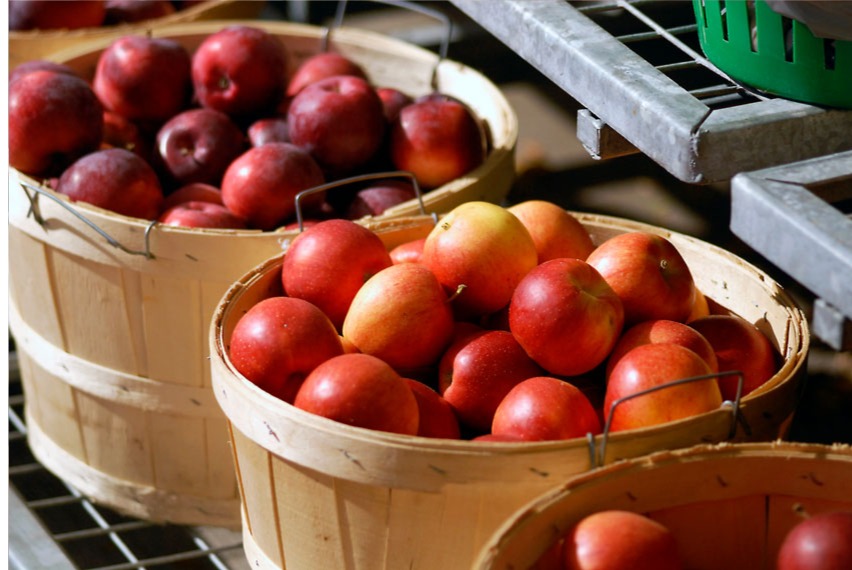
x=700, y=307
x=437, y=418
x=339, y=120
x=261, y=184
x=52, y=15
x=201, y=215
x=401, y=315
x=378, y=197
x=241, y=71
x=820, y=542
x=268, y=129
x=195, y=192
x=620, y=540
x=143, y=78
x=198, y=145
x=408, y=252
x=566, y=316
x=54, y=119
x=363, y=391
x=40, y=65
x=544, y=408
x=393, y=100
x=438, y=139
x=483, y=247
x=321, y=66
x=279, y=341
x=116, y=180
x=662, y=331
x=329, y=262
x=476, y=376
x=497, y=438
x=555, y=231
x=739, y=345
x=127, y=11
x=652, y=365
x=120, y=132
x=649, y=275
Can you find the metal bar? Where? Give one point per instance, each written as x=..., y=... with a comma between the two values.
x=30, y=545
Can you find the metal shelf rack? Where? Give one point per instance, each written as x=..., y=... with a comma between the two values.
x=637, y=68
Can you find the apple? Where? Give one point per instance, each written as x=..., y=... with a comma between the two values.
x=143, y=78
x=551, y=559
x=360, y=390
x=544, y=408
x=321, y=66
x=54, y=119
x=437, y=418
x=739, y=345
x=279, y=341
x=408, y=252
x=128, y=11
x=662, y=331
x=700, y=307
x=378, y=197
x=401, y=315
x=620, y=540
x=199, y=214
x=476, y=375
x=194, y=192
x=483, y=247
x=261, y=184
x=820, y=542
x=329, y=262
x=52, y=15
x=496, y=438
x=649, y=275
x=240, y=70
x=268, y=129
x=114, y=179
x=555, y=231
x=198, y=145
x=438, y=139
x=649, y=366
x=566, y=316
x=393, y=100
x=121, y=132
x=40, y=65
x=339, y=120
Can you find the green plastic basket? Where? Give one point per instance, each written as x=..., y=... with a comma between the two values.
x=771, y=53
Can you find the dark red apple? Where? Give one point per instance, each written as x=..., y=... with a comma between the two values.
x=40, y=65
x=339, y=120
x=241, y=71
x=120, y=132
x=129, y=11
x=268, y=129
x=279, y=341
x=116, y=180
x=198, y=145
x=438, y=139
x=201, y=215
x=820, y=542
x=544, y=408
x=363, y=391
x=54, y=119
x=437, y=418
x=145, y=79
x=320, y=66
x=393, y=100
x=52, y=15
x=408, y=252
x=261, y=184
x=378, y=197
x=195, y=192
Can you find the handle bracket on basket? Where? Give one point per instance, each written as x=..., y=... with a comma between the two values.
x=36, y=215
x=597, y=455
x=445, y=42
x=355, y=180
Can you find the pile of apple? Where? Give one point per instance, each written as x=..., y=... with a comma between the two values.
x=227, y=136
x=625, y=540
x=77, y=14
x=503, y=323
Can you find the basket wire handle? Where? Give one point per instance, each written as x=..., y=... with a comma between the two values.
x=597, y=458
x=445, y=42
x=355, y=180
x=36, y=215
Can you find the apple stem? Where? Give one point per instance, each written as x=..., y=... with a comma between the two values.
x=664, y=264
x=459, y=289
x=801, y=511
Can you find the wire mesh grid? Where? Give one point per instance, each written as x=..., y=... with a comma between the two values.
x=51, y=525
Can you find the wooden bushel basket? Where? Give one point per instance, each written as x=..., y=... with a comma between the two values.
x=110, y=314
x=728, y=505
x=317, y=493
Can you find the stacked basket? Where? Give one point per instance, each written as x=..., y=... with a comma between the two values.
x=317, y=493
x=110, y=313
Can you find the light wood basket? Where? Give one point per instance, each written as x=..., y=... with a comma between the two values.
x=27, y=45
x=728, y=505
x=316, y=493
x=112, y=331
